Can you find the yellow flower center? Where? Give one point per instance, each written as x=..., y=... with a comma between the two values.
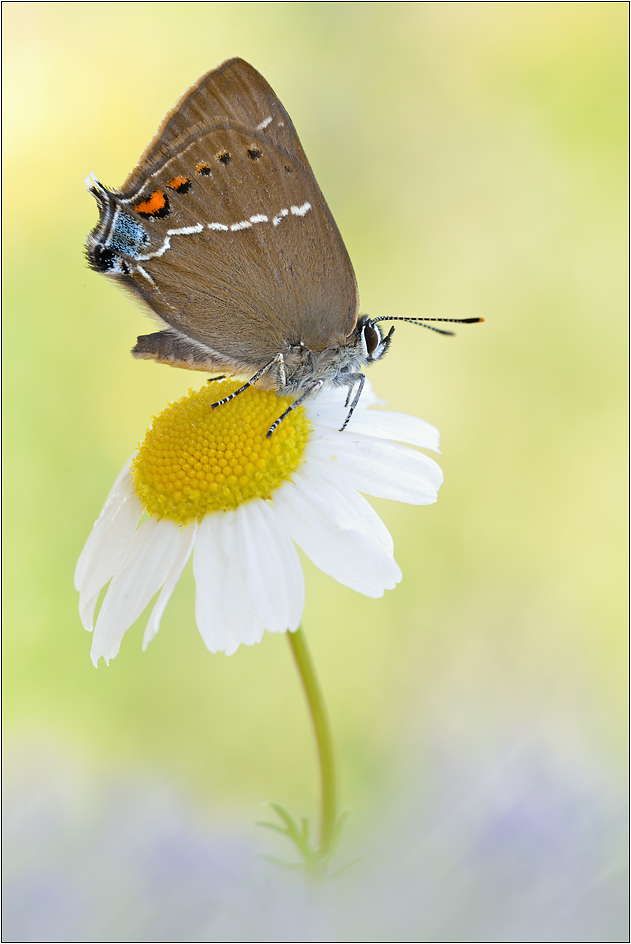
x=195, y=460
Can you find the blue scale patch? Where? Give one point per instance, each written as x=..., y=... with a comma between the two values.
x=128, y=236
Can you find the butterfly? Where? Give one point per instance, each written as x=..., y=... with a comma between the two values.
x=223, y=232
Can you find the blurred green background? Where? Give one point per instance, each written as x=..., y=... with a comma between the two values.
x=474, y=157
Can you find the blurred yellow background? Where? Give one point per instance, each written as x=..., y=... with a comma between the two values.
x=474, y=157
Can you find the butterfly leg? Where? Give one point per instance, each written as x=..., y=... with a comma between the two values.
x=353, y=379
x=278, y=362
x=313, y=389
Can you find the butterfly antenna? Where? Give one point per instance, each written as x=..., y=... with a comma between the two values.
x=422, y=322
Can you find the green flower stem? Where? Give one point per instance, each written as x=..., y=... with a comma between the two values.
x=322, y=731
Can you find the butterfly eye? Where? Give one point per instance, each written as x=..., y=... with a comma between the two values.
x=371, y=336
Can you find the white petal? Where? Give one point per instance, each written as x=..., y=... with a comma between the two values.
x=208, y=567
x=320, y=526
x=222, y=606
x=224, y=611
x=271, y=567
x=354, y=511
x=144, y=569
x=107, y=544
x=248, y=578
x=119, y=491
x=383, y=469
x=381, y=424
x=243, y=623
x=186, y=540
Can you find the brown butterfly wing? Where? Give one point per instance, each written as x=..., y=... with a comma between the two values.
x=247, y=257
x=232, y=94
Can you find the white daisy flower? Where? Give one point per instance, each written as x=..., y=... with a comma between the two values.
x=210, y=480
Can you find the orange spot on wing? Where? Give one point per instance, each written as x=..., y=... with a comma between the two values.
x=178, y=182
x=153, y=204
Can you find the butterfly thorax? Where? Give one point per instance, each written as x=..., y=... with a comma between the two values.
x=338, y=364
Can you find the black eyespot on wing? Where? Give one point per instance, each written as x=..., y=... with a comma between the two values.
x=224, y=158
x=254, y=154
x=100, y=259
